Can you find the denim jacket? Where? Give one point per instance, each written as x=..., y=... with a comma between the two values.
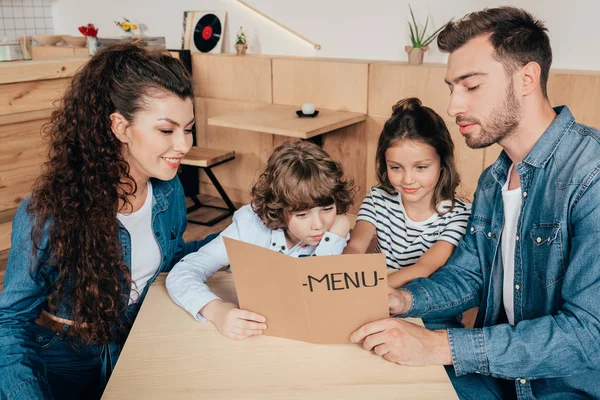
x=553, y=350
x=22, y=368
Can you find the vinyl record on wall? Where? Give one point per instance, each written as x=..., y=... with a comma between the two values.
x=203, y=31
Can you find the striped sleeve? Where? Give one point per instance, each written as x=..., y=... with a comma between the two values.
x=456, y=223
x=367, y=210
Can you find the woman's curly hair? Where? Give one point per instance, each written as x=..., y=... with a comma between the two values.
x=75, y=200
x=300, y=176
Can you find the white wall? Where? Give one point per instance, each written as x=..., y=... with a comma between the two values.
x=371, y=29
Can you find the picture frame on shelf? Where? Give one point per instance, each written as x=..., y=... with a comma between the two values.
x=203, y=31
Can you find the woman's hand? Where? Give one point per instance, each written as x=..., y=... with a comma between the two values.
x=232, y=322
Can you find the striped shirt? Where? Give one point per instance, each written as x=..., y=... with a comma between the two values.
x=404, y=241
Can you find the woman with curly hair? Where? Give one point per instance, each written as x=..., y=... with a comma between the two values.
x=298, y=208
x=105, y=217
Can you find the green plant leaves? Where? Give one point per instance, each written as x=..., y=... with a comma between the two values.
x=418, y=38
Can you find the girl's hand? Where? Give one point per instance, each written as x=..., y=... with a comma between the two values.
x=341, y=226
x=232, y=322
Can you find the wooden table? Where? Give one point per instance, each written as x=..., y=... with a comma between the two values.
x=169, y=355
x=282, y=120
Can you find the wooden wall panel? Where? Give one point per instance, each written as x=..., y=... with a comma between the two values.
x=374, y=127
x=251, y=148
x=579, y=91
x=229, y=77
x=31, y=96
x=347, y=145
x=39, y=70
x=5, y=232
x=21, y=155
x=16, y=185
x=390, y=82
x=328, y=84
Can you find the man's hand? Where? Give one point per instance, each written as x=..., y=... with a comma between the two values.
x=399, y=301
x=233, y=322
x=404, y=343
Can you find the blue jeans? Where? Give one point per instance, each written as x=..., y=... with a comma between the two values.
x=480, y=387
x=73, y=370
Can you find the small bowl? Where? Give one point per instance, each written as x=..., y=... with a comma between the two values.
x=75, y=41
x=47, y=40
x=302, y=115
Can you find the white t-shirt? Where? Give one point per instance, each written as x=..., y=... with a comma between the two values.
x=512, y=207
x=145, y=253
x=404, y=241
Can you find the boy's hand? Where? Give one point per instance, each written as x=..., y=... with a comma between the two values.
x=232, y=322
x=341, y=226
x=399, y=301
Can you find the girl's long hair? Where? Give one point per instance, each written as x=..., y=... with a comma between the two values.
x=413, y=121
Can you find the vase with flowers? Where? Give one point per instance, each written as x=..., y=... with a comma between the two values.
x=91, y=36
x=241, y=44
x=129, y=28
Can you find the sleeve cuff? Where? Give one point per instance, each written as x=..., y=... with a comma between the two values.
x=331, y=244
x=195, y=306
x=420, y=300
x=468, y=351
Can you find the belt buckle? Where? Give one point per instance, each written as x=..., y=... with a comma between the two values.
x=63, y=332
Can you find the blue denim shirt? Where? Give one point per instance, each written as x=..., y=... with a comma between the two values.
x=22, y=368
x=554, y=347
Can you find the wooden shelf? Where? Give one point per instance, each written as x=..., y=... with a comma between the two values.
x=35, y=70
x=282, y=120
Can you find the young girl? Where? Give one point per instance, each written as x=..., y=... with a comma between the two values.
x=298, y=206
x=413, y=210
x=105, y=217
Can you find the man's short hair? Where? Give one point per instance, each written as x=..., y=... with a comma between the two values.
x=517, y=37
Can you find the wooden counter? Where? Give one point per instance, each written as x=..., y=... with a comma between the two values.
x=35, y=70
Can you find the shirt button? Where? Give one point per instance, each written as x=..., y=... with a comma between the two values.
x=327, y=238
x=523, y=381
x=282, y=247
x=517, y=287
x=472, y=229
x=517, y=238
x=489, y=234
x=494, y=236
x=157, y=234
x=477, y=372
x=524, y=194
x=274, y=244
x=539, y=240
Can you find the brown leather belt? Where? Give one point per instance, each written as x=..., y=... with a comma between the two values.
x=45, y=319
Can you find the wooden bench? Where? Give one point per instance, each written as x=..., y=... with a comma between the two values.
x=205, y=159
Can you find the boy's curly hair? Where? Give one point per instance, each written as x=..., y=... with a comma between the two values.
x=300, y=176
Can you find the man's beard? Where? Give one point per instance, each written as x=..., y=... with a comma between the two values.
x=502, y=123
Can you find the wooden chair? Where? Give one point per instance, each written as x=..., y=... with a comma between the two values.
x=205, y=159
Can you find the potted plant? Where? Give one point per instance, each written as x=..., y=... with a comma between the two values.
x=419, y=42
x=240, y=43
